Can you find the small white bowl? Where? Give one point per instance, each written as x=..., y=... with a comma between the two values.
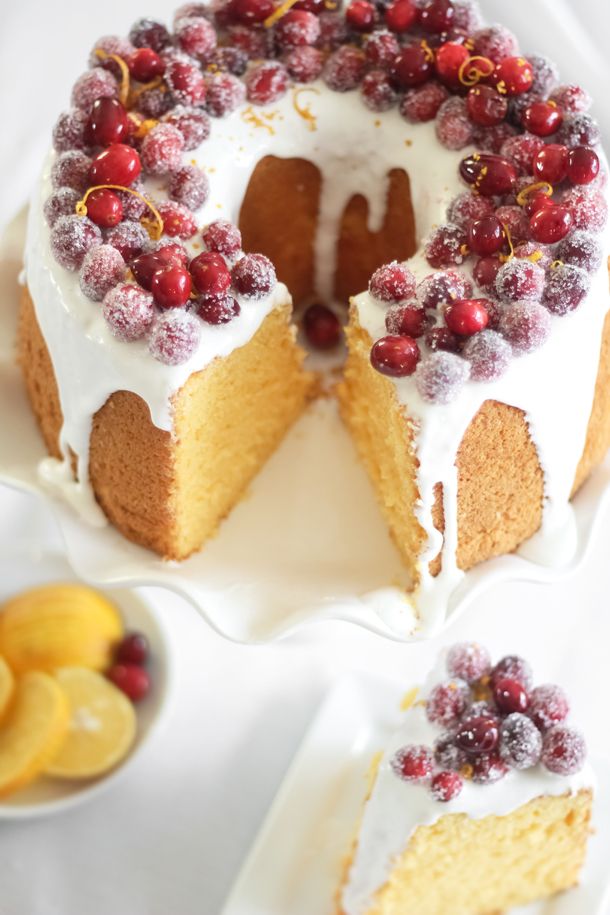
x=47, y=795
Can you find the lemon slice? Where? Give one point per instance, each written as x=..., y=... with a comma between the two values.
x=7, y=685
x=58, y=625
x=102, y=725
x=32, y=731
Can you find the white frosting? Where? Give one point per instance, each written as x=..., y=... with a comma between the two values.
x=355, y=150
x=396, y=808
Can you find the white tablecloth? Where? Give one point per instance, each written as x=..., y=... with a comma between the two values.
x=170, y=838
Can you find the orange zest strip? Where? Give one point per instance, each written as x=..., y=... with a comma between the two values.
x=154, y=226
x=428, y=52
x=556, y=264
x=470, y=74
x=543, y=186
x=305, y=111
x=124, y=90
x=511, y=250
x=142, y=125
x=156, y=83
x=278, y=13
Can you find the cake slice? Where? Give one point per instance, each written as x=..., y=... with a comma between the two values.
x=481, y=802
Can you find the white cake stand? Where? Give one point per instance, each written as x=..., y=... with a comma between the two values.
x=307, y=544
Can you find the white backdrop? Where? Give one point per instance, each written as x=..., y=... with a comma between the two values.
x=172, y=836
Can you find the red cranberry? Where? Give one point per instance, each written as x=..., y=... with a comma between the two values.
x=550, y=224
x=186, y=82
x=520, y=741
x=489, y=355
x=172, y=252
x=449, y=59
x=566, y=287
x=441, y=338
x=571, y=99
x=210, y=273
x=583, y=165
x=423, y=102
x=447, y=702
x=382, y=47
x=510, y=696
x=512, y=667
x=445, y=287
x=108, y=123
x=360, y=15
x=147, y=33
x=266, y=82
x=377, y=91
x=489, y=175
x=322, y=327
x=406, y=320
x=395, y=356
x=486, y=106
x=513, y=75
x=520, y=281
x=413, y=763
x=564, y=750
x=344, y=68
x=400, y=15
x=304, y=64
x=297, y=28
x=129, y=311
x=217, y=309
x=104, y=208
x=446, y=246
x=250, y=12
x=118, y=164
x=171, y=286
x=436, y=15
x=486, y=236
x=253, y=276
x=477, y=735
x=467, y=316
x=145, y=65
x=392, y=283
x=485, y=272
x=582, y=250
x=445, y=786
x=469, y=661
x=144, y=268
x=542, y=118
x=133, y=649
x=102, y=268
x=178, y=221
x=454, y=129
x=174, y=337
x=495, y=42
x=411, y=67
x=131, y=679
x=222, y=236
x=551, y=163
x=548, y=706
x=71, y=238
x=487, y=769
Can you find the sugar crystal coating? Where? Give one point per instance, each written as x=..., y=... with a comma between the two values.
x=71, y=238
x=445, y=786
x=71, y=169
x=526, y=326
x=189, y=186
x=174, y=337
x=513, y=667
x=467, y=207
x=93, y=84
x=582, y=249
x=469, y=661
x=222, y=236
x=344, y=68
x=489, y=355
x=217, y=309
x=196, y=36
x=413, y=763
x=161, y=149
x=266, y=82
x=193, y=124
x=548, y=706
x=178, y=221
x=566, y=287
x=520, y=281
x=304, y=64
x=440, y=377
x=129, y=311
x=62, y=202
x=225, y=93
x=520, y=741
x=564, y=750
x=454, y=129
x=254, y=276
x=422, y=103
x=129, y=238
x=102, y=268
x=392, y=283
x=69, y=130
x=447, y=702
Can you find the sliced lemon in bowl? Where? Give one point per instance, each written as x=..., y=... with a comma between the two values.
x=7, y=686
x=102, y=726
x=32, y=731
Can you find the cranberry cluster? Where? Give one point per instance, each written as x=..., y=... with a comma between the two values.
x=128, y=671
x=492, y=720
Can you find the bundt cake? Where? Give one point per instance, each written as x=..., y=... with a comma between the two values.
x=481, y=801
x=401, y=148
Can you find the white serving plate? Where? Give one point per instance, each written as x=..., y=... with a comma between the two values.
x=46, y=796
x=297, y=860
x=307, y=544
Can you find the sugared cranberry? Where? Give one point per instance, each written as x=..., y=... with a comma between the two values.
x=520, y=741
x=102, y=268
x=515, y=222
x=155, y=102
x=193, y=124
x=266, y=82
x=222, y=236
x=131, y=679
x=448, y=62
x=495, y=42
x=579, y=130
x=468, y=661
x=546, y=74
x=489, y=355
x=423, y=102
x=129, y=311
x=61, y=203
x=304, y=64
x=445, y=786
x=571, y=99
x=69, y=130
x=217, y=309
x=441, y=338
x=144, y=268
x=186, y=82
x=171, y=252
x=210, y=273
x=71, y=169
x=582, y=250
x=510, y=696
x=486, y=236
x=171, y=286
x=133, y=649
x=195, y=36
x=128, y=237
x=467, y=316
x=406, y=320
x=71, y=238
x=564, y=750
x=512, y=667
x=413, y=763
x=392, y=283
x=513, y=75
x=104, y=208
x=189, y=185
x=253, y=276
x=178, y=221
x=145, y=65
x=531, y=251
x=251, y=12
x=485, y=272
x=110, y=44
x=548, y=706
x=174, y=337
x=254, y=43
x=526, y=326
x=447, y=754
x=230, y=60
x=436, y=15
x=446, y=246
x=443, y=288
x=400, y=15
x=190, y=10
x=467, y=207
x=225, y=93
x=297, y=28
x=588, y=207
x=565, y=289
x=118, y=164
x=344, y=68
x=542, y=118
x=486, y=106
x=322, y=327
x=489, y=175
x=551, y=224
x=94, y=84
x=377, y=90
x=147, y=33
x=360, y=15
x=395, y=356
x=521, y=150
x=411, y=67
x=381, y=48
x=454, y=128
x=492, y=139
x=477, y=735
x=447, y=701
x=583, y=165
x=520, y=281
x=467, y=15
x=488, y=768
x=162, y=149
